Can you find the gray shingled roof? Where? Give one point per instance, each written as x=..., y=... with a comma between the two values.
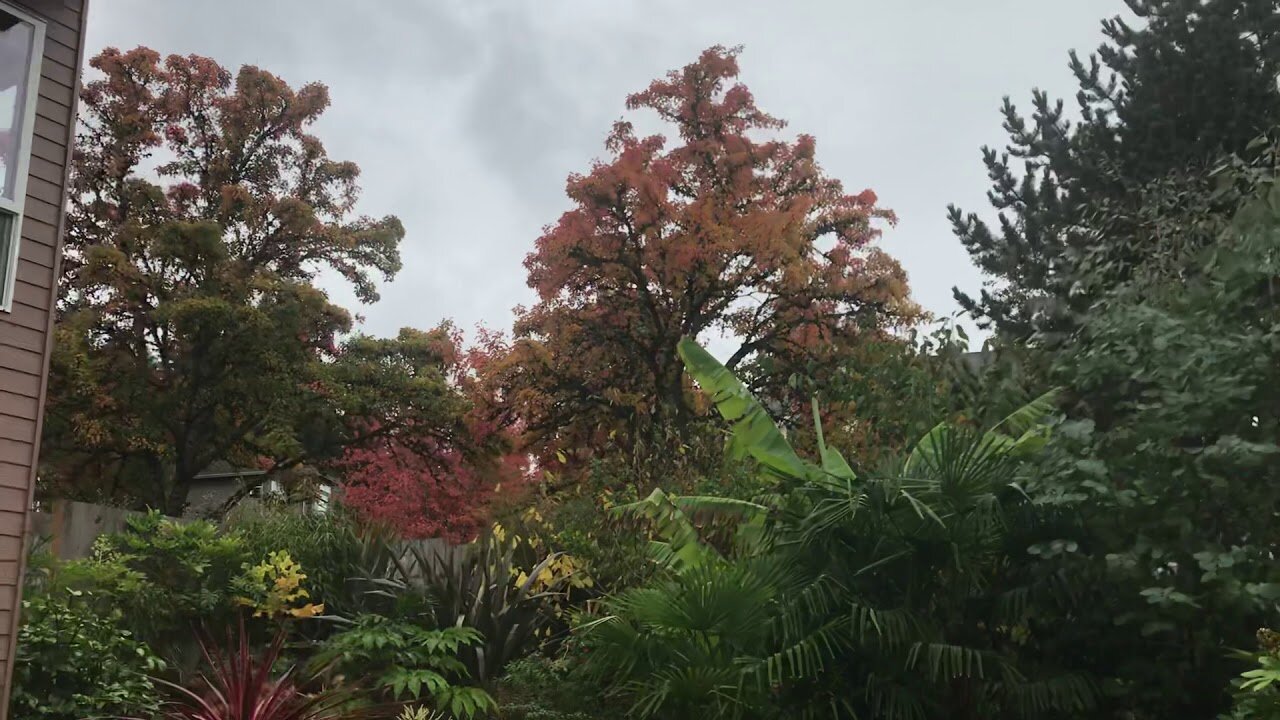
x=224, y=469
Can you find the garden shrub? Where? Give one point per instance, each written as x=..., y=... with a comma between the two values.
x=1257, y=690
x=328, y=546
x=188, y=567
x=169, y=580
x=407, y=661
x=580, y=524
x=539, y=687
x=242, y=680
x=74, y=661
x=164, y=579
x=274, y=589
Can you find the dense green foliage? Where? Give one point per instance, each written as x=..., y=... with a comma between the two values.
x=891, y=594
x=330, y=548
x=406, y=661
x=74, y=661
x=1123, y=189
x=157, y=588
x=166, y=578
x=1170, y=464
x=1145, y=237
x=539, y=687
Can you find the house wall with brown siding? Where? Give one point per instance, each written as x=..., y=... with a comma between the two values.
x=25, y=333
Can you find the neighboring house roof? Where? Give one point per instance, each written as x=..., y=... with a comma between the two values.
x=214, y=488
x=222, y=469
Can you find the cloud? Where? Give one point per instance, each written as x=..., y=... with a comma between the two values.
x=516, y=113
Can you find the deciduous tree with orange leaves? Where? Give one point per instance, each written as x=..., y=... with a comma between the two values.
x=728, y=228
x=191, y=329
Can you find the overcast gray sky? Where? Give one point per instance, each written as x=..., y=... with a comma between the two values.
x=466, y=116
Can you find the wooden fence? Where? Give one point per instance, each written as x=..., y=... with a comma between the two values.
x=69, y=528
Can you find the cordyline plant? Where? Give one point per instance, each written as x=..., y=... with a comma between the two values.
x=239, y=685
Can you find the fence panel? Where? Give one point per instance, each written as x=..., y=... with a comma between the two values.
x=69, y=528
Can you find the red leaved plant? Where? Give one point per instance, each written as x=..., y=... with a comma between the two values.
x=239, y=685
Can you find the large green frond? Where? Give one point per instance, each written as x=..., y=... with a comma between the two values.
x=890, y=628
x=1072, y=693
x=944, y=661
x=1029, y=416
x=680, y=545
x=754, y=432
x=833, y=463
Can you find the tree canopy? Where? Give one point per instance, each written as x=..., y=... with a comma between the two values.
x=191, y=329
x=725, y=229
x=1085, y=204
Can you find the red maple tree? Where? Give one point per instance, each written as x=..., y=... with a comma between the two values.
x=434, y=487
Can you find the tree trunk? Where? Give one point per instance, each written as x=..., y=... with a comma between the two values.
x=175, y=500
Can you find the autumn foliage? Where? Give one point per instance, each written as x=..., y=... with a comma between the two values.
x=726, y=230
x=191, y=329
x=434, y=488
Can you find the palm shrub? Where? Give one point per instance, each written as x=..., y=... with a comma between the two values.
x=899, y=594
x=676, y=648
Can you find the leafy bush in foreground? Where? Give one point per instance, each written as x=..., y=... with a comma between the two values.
x=406, y=661
x=74, y=662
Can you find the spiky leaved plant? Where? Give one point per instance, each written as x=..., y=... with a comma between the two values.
x=240, y=684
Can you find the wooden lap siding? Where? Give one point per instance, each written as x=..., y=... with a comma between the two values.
x=25, y=333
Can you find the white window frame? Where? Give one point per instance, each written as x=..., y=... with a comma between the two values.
x=324, y=494
x=17, y=207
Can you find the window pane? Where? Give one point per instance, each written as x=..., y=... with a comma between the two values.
x=7, y=234
x=16, y=40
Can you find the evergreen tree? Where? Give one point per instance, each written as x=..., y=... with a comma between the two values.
x=1114, y=193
